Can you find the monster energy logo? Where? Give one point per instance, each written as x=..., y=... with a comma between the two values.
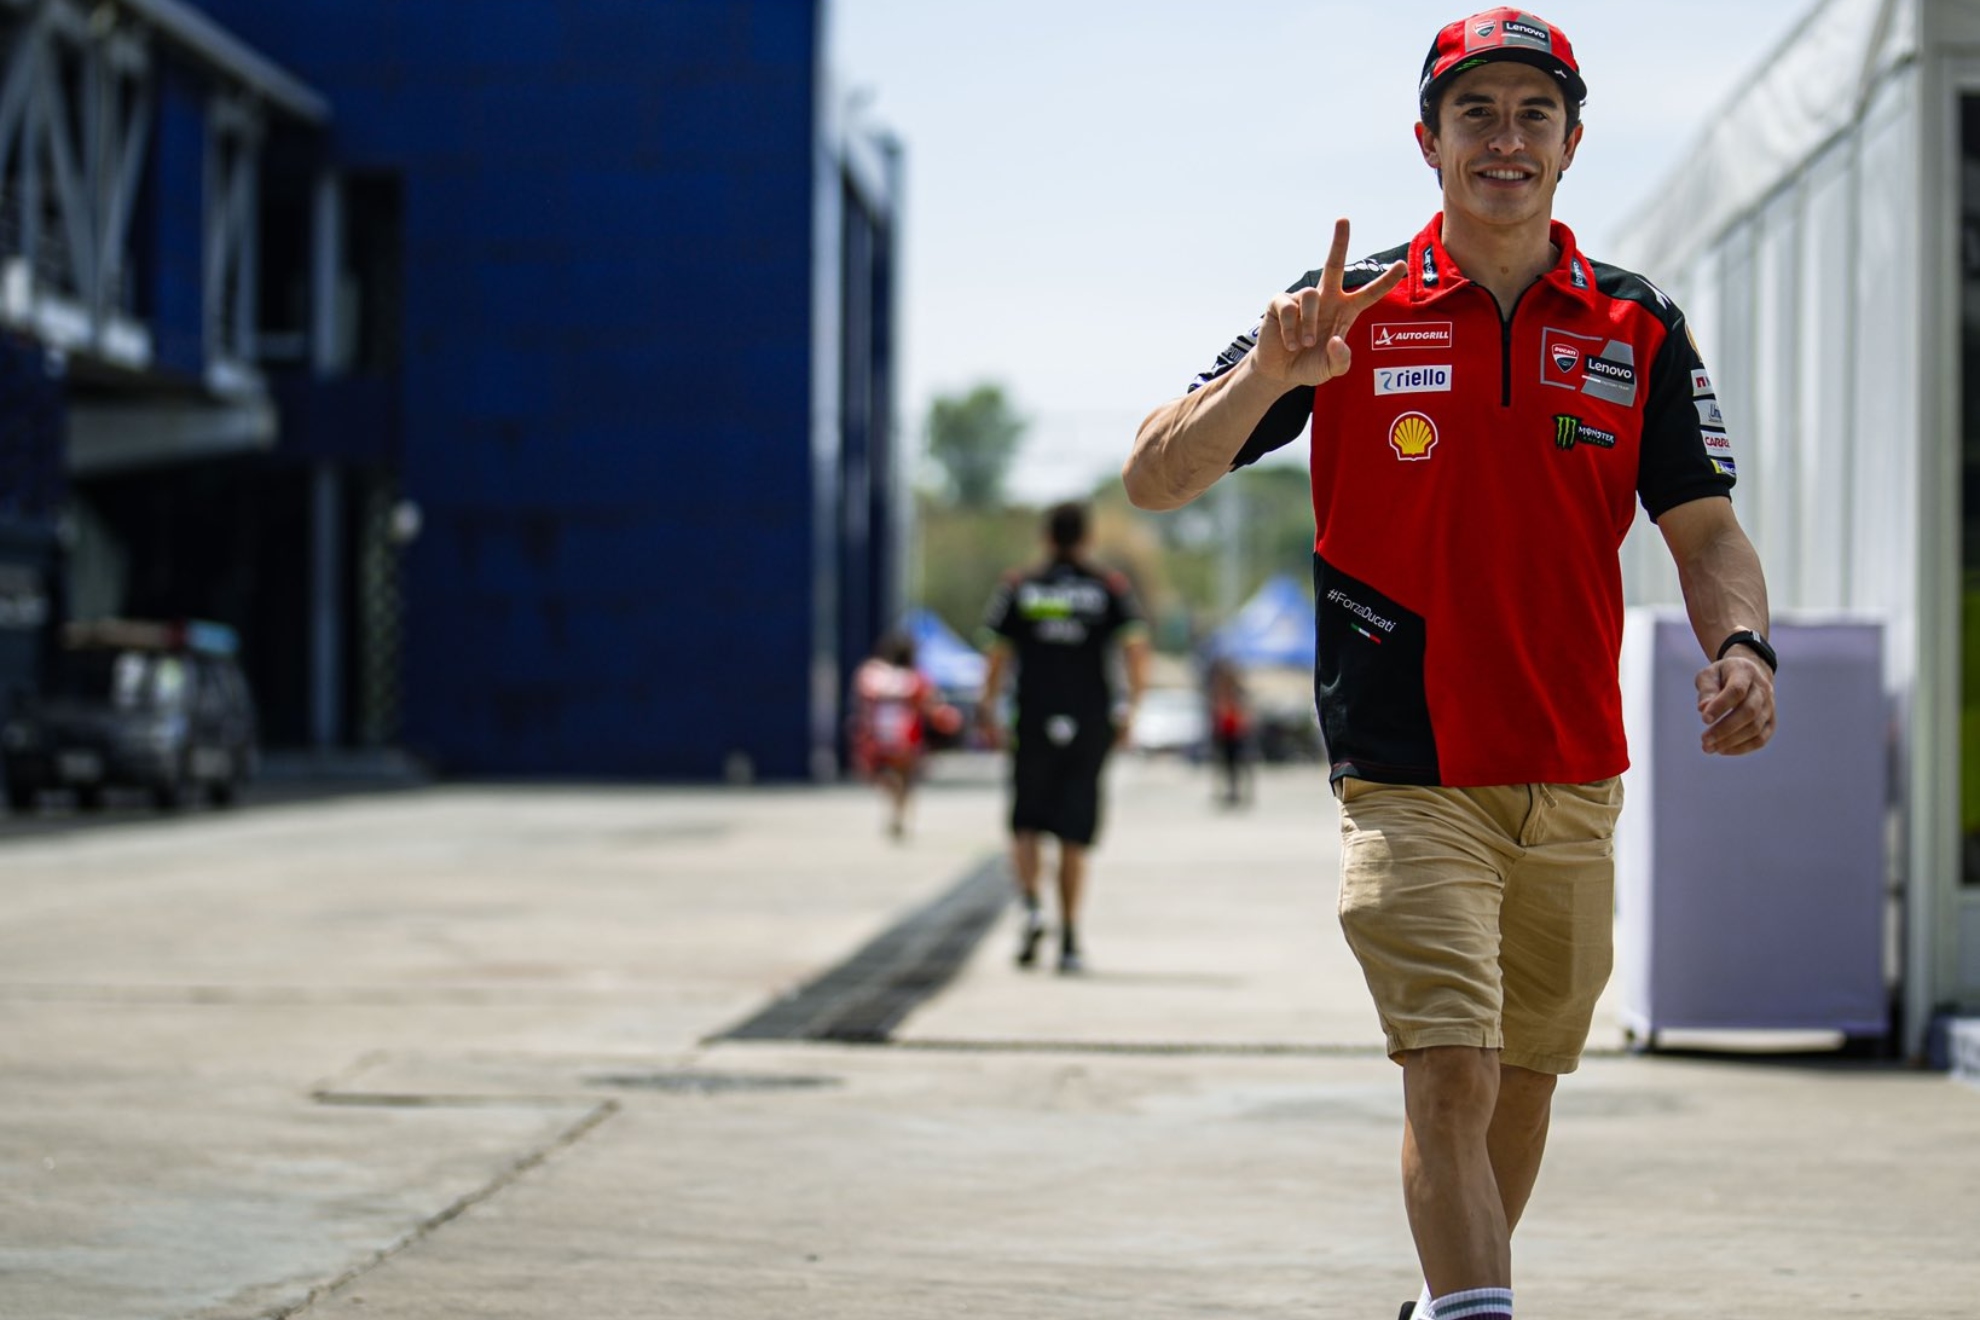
x=1570, y=431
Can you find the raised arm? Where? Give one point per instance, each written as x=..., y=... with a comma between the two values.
x=1724, y=591
x=1185, y=445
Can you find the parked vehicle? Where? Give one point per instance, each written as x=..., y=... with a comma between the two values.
x=161, y=707
x=1171, y=720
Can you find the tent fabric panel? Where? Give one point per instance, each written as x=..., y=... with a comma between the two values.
x=1805, y=94
x=1774, y=435
x=1824, y=378
x=1274, y=627
x=950, y=663
x=1885, y=463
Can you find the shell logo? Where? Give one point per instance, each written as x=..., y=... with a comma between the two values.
x=1413, y=436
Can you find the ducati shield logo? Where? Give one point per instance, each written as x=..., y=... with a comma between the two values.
x=1413, y=436
x=1588, y=364
x=1484, y=30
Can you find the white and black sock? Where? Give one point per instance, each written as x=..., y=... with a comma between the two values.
x=1474, y=1304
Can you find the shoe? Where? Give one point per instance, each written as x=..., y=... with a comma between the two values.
x=1034, y=931
x=1070, y=963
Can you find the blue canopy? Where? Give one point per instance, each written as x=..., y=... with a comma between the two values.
x=953, y=664
x=1274, y=627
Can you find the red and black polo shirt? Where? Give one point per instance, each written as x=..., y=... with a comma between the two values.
x=1473, y=477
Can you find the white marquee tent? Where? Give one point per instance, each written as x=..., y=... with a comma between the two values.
x=1824, y=238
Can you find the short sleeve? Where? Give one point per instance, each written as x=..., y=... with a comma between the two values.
x=1687, y=453
x=1123, y=610
x=999, y=619
x=1286, y=419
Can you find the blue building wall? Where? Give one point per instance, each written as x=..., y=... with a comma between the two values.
x=33, y=485
x=607, y=353
x=171, y=228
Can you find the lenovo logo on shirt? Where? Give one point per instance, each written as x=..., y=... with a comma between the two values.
x=1589, y=364
x=1414, y=334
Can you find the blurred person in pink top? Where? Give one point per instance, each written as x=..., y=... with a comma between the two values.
x=893, y=705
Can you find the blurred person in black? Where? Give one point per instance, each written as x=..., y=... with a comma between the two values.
x=1058, y=624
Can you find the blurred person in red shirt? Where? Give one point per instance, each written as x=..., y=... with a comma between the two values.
x=893, y=705
x=1230, y=729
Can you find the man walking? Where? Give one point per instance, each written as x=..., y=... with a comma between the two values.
x=1486, y=406
x=1058, y=624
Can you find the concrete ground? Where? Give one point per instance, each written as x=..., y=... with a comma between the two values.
x=455, y=1052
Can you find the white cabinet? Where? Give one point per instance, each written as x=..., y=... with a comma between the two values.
x=1750, y=891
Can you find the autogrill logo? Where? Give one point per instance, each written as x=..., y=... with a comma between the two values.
x=1425, y=334
x=1360, y=611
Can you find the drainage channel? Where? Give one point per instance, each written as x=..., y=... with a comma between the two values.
x=864, y=998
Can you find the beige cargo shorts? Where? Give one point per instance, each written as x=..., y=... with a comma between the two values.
x=1482, y=917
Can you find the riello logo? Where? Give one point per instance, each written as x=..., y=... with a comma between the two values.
x=1413, y=436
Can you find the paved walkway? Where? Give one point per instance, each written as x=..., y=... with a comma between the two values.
x=458, y=1053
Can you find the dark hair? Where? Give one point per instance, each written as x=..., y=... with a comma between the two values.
x=896, y=647
x=1066, y=524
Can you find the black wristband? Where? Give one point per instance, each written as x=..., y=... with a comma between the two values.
x=1748, y=638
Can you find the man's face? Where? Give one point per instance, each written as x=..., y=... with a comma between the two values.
x=1501, y=142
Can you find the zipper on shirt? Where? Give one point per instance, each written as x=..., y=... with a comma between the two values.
x=1505, y=342
x=1505, y=355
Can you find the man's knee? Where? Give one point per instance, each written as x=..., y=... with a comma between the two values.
x=1450, y=1089
x=1525, y=1098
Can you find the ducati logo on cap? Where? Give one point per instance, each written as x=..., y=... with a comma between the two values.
x=1484, y=30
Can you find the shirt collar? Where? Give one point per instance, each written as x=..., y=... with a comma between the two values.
x=1433, y=274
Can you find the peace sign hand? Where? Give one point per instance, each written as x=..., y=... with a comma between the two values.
x=1303, y=338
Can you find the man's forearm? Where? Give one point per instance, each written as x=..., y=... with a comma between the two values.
x=1724, y=589
x=1185, y=445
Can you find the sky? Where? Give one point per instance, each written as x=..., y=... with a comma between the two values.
x=1101, y=194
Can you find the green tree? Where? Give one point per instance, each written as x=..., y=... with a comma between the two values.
x=974, y=437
